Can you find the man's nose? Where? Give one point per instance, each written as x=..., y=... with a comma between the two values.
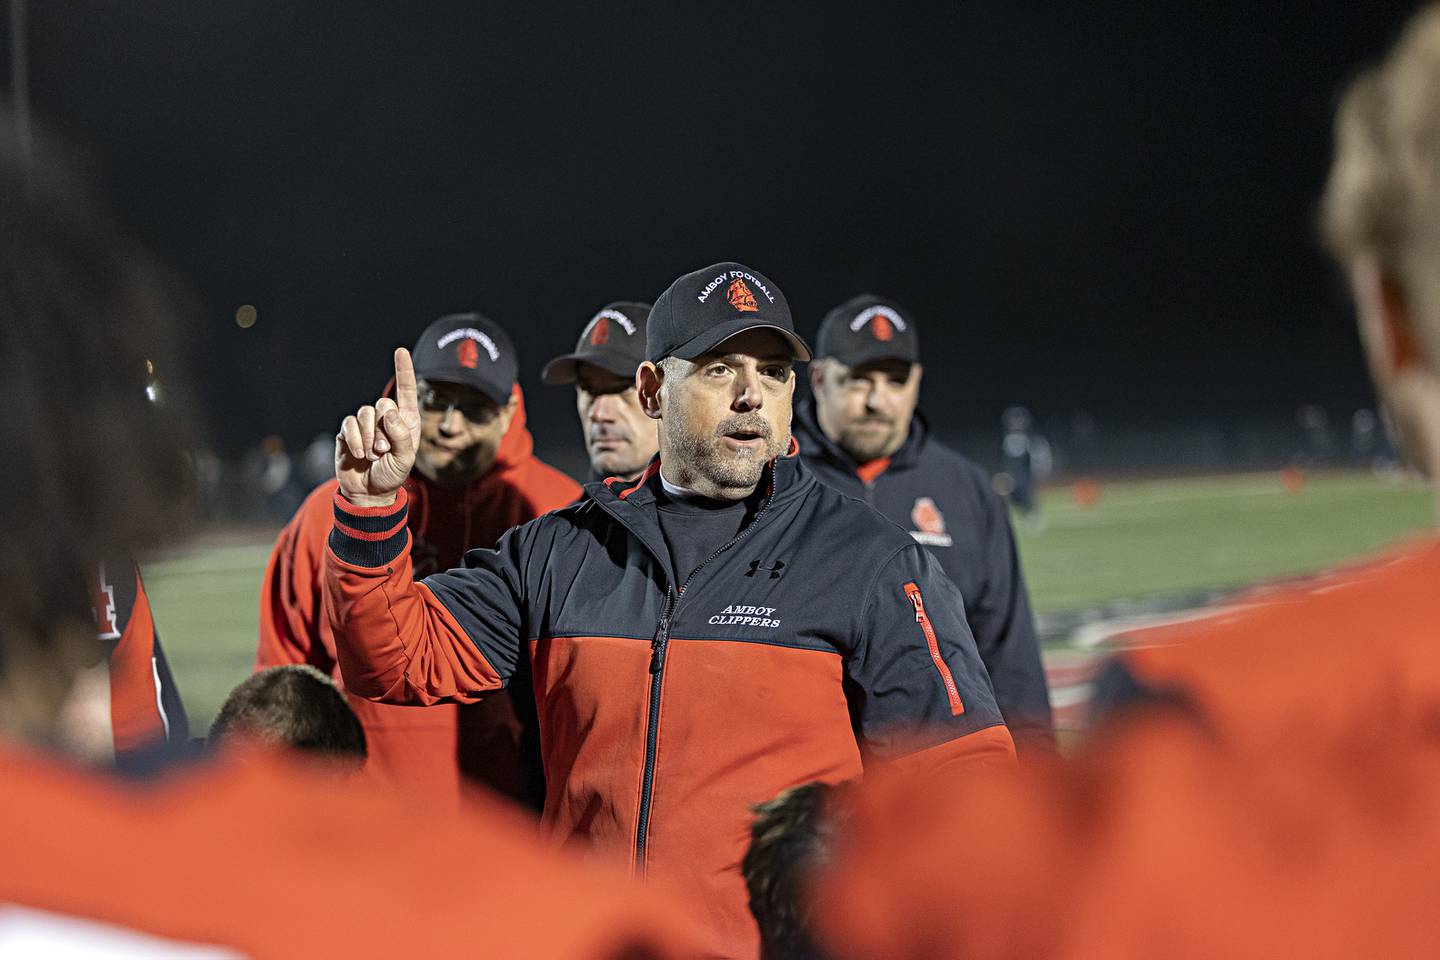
x=452, y=422
x=602, y=408
x=880, y=399
x=747, y=392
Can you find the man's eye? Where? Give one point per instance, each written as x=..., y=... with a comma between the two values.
x=717, y=369
x=778, y=373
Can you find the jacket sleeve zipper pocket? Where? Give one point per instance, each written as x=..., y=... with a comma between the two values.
x=912, y=590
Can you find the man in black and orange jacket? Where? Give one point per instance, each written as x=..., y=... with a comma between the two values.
x=720, y=630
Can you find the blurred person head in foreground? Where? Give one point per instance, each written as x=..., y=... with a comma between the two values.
x=95, y=468
x=789, y=840
x=1381, y=221
x=95, y=867
x=619, y=437
x=296, y=706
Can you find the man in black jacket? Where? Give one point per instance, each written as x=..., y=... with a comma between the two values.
x=862, y=435
x=719, y=630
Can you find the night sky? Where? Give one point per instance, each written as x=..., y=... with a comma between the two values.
x=1108, y=208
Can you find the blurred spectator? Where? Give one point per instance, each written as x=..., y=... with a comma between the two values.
x=317, y=464
x=271, y=473
x=1020, y=449
x=1315, y=428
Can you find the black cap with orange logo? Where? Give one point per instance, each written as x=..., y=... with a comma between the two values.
x=468, y=349
x=613, y=340
x=866, y=328
x=707, y=306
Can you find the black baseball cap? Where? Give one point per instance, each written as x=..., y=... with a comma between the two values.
x=713, y=304
x=613, y=340
x=470, y=350
x=867, y=328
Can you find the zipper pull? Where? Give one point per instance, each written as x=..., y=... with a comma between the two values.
x=657, y=646
x=917, y=602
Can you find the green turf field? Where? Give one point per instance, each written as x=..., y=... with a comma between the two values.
x=1140, y=538
x=1166, y=536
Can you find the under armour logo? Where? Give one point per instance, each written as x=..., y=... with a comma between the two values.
x=774, y=568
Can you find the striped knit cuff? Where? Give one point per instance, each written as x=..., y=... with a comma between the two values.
x=369, y=536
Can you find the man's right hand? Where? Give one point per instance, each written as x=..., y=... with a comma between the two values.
x=375, y=447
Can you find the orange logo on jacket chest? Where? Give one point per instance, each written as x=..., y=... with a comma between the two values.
x=927, y=517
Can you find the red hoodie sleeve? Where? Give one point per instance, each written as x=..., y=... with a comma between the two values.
x=395, y=640
x=292, y=623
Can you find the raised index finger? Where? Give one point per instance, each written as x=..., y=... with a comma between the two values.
x=406, y=394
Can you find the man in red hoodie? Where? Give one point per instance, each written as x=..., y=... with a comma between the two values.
x=476, y=476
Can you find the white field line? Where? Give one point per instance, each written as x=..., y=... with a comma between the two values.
x=1092, y=635
x=1140, y=494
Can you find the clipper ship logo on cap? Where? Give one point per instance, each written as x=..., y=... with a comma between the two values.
x=740, y=297
x=467, y=353
x=600, y=333
x=883, y=322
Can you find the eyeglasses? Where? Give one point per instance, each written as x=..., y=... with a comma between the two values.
x=473, y=407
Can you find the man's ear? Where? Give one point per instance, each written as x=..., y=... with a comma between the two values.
x=508, y=411
x=648, y=378
x=1386, y=324
x=918, y=372
x=817, y=374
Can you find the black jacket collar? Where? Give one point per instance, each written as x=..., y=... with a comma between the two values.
x=814, y=442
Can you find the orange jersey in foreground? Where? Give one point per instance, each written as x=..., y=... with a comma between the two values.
x=1288, y=811
x=1348, y=654
x=1157, y=842
x=271, y=858
x=429, y=749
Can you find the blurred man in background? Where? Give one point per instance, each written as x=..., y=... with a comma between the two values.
x=475, y=477
x=862, y=435
x=620, y=439
x=1271, y=787
x=188, y=867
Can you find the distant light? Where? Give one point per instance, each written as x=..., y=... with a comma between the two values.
x=149, y=367
x=152, y=392
x=245, y=317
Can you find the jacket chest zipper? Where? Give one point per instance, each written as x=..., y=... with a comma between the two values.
x=658, y=647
